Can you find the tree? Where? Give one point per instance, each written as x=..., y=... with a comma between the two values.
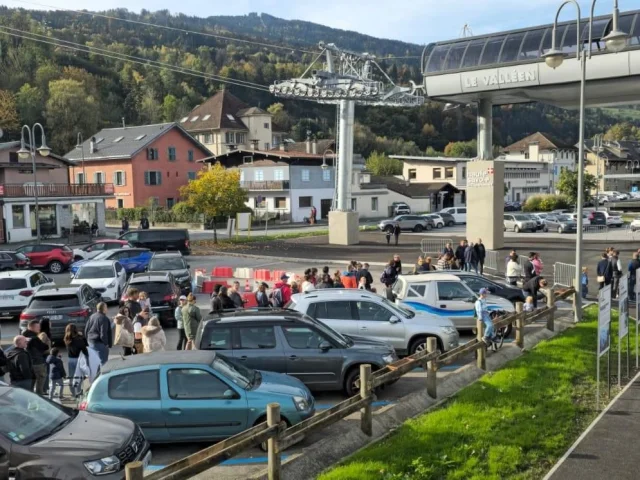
x=568, y=185
x=170, y=107
x=280, y=116
x=69, y=111
x=30, y=101
x=216, y=192
x=380, y=164
x=622, y=131
x=461, y=149
x=9, y=120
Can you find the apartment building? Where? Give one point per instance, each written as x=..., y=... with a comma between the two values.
x=615, y=164
x=143, y=162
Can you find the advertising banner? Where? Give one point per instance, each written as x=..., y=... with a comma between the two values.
x=604, y=319
x=623, y=306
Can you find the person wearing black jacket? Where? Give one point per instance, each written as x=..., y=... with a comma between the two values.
x=132, y=303
x=21, y=372
x=396, y=231
x=38, y=351
x=460, y=253
x=528, y=270
x=397, y=264
x=98, y=332
x=634, y=265
x=76, y=344
x=144, y=223
x=125, y=225
x=225, y=300
x=616, y=268
x=604, y=271
x=532, y=287
x=481, y=253
x=366, y=274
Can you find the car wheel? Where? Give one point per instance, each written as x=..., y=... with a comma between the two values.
x=352, y=382
x=440, y=225
x=55, y=267
x=418, y=228
x=451, y=224
x=429, y=227
x=559, y=229
x=545, y=229
x=262, y=419
x=420, y=345
x=516, y=229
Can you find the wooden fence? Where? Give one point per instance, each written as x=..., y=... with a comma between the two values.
x=278, y=437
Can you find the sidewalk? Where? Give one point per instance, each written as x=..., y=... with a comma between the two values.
x=608, y=448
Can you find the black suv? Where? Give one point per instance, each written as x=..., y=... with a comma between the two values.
x=158, y=240
x=13, y=261
x=287, y=341
x=62, y=305
x=162, y=290
x=174, y=263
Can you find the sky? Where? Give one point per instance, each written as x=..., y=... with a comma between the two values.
x=415, y=21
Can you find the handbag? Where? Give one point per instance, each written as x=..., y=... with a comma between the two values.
x=124, y=337
x=600, y=279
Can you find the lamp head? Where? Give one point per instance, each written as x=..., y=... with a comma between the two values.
x=44, y=150
x=554, y=58
x=24, y=153
x=616, y=41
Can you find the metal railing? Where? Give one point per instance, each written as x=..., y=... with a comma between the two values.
x=266, y=185
x=12, y=190
x=434, y=245
x=595, y=232
x=564, y=274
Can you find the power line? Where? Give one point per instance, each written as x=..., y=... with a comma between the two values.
x=129, y=58
x=175, y=29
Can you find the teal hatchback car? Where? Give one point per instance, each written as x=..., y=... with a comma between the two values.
x=194, y=395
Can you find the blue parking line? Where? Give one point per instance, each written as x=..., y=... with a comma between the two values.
x=231, y=461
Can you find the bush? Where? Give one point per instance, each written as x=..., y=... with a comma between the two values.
x=545, y=203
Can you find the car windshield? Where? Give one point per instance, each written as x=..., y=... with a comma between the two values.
x=54, y=301
x=521, y=217
x=565, y=218
x=152, y=287
x=615, y=214
x=93, y=272
x=329, y=332
x=27, y=417
x=175, y=263
x=12, y=283
x=404, y=312
x=238, y=374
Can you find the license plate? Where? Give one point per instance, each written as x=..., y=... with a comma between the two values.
x=146, y=460
x=6, y=297
x=55, y=317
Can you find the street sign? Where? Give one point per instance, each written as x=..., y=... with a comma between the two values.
x=604, y=318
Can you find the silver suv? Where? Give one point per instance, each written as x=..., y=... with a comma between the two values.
x=416, y=223
x=358, y=312
x=519, y=223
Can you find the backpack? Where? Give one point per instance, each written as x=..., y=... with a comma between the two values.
x=4, y=363
x=276, y=297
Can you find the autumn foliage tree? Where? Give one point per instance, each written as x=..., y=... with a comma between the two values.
x=215, y=192
x=9, y=120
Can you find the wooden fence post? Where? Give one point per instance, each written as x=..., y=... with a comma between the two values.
x=551, y=301
x=481, y=353
x=432, y=369
x=273, y=445
x=134, y=471
x=519, y=326
x=366, y=414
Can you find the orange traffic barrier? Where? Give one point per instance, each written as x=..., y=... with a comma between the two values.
x=222, y=272
x=262, y=275
x=207, y=286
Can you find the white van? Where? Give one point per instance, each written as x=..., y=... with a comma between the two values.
x=459, y=213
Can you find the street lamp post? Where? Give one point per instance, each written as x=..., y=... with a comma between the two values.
x=29, y=149
x=80, y=146
x=615, y=41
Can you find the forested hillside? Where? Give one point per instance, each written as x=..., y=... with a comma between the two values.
x=79, y=90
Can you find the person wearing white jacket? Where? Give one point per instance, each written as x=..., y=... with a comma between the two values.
x=514, y=270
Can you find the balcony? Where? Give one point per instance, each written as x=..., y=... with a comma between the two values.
x=266, y=185
x=12, y=190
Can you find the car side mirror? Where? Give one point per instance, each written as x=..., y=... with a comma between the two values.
x=48, y=279
x=188, y=266
x=230, y=395
x=394, y=319
x=324, y=346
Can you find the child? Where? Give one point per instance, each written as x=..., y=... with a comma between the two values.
x=584, y=282
x=144, y=301
x=528, y=306
x=56, y=373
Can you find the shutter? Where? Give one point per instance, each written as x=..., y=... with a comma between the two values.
x=146, y=178
x=148, y=154
x=159, y=177
x=95, y=177
x=114, y=178
x=124, y=178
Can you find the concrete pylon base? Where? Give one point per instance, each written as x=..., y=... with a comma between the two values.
x=343, y=228
x=485, y=203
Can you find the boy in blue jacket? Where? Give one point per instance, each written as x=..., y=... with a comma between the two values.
x=56, y=373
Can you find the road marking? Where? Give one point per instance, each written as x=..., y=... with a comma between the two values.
x=380, y=403
x=231, y=461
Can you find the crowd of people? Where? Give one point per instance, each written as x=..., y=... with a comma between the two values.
x=610, y=271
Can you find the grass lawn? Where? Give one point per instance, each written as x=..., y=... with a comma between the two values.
x=514, y=423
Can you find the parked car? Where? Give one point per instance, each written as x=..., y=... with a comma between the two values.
x=107, y=277
x=449, y=220
x=159, y=240
x=560, y=223
x=535, y=218
x=95, y=248
x=61, y=305
x=162, y=290
x=133, y=260
x=415, y=223
x=437, y=220
x=597, y=218
x=634, y=195
x=401, y=208
x=287, y=341
x=16, y=290
x=50, y=256
x=510, y=207
x=635, y=224
x=13, y=261
x=191, y=396
x=519, y=223
x=174, y=263
x=585, y=218
x=445, y=296
x=41, y=439
x=357, y=312
x=614, y=219
x=459, y=213
x=615, y=196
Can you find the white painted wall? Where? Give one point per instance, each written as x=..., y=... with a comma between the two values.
x=317, y=194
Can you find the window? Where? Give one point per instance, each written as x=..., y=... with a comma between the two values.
x=247, y=159
x=184, y=119
x=191, y=175
x=258, y=175
x=120, y=202
x=305, y=175
x=372, y=312
x=217, y=339
x=340, y=310
x=374, y=204
x=229, y=137
x=193, y=119
x=190, y=155
x=531, y=45
x=206, y=117
x=168, y=174
x=207, y=138
x=354, y=204
x=452, y=291
x=257, y=338
x=119, y=178
x=278, y=174
x=492, y=50
x=267, y=146
x=240, y=138
x=261, y=202
x=437, y=172
x=511, y=47
x=302, y=337
x=526, y=155
x=140, y=137
x=326, y=175
x=305, y=202
x=242, y=175
x=170, y=203
x=448, y=172
x=281, y=202
x=171, y=153
x=80, y=178
x=119, y=139
x=412, y=174
x=153, y=178
x=455, y=56
x=464, y=172
x=193, y=384
x=416, y=291
x=135, y=386
x=152, y=154
x=266, y=125
x=436, y=60
x=98, y=177
x=17, y=212
x=472, y=55
x=231, y=117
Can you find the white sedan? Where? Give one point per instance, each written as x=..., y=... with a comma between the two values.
x=106, y=277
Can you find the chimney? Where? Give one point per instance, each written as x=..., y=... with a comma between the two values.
x=308, y=145
x=283, y=147
x=314, y=146
x=92, y=145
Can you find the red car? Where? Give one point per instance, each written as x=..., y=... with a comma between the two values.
x=53, y=257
